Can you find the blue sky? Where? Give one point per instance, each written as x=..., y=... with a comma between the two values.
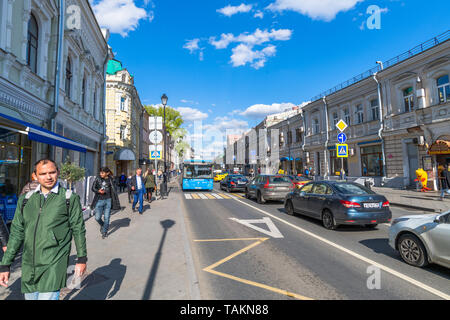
x=273, y=53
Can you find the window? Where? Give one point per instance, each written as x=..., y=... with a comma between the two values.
x=335, y=120
x=316, y=126
x=298, y=135
x=347, y=116
x=359, y=114
x=83, y=93
x=443, y=85
x=68, y=77
x=374, y=110
x=122, y=103
x=408, y=99
x=289, y=137
x=321, y=188
x=32, y=44
x=122, y=132
x=94, y=111
x=372, y=161
x=336, y=164
x=307, y=188
x=352, y=188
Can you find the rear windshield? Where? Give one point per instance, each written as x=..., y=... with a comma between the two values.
x=347, y=188
x=279, y=180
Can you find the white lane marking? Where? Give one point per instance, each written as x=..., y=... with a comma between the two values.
x=188, y=196
x=273, y=230
x=216, y=196
x=202, y=196
x=356, y=255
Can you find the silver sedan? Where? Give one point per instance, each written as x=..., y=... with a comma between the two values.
x=422, y=239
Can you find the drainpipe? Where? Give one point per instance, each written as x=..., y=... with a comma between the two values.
x=59, y=44
x=304, y=138
x=103, y=142
x=380, y=131
x=328, y=136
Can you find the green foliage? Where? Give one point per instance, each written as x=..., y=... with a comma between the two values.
x=173, y=117
x=71, y=172
x=181, y=145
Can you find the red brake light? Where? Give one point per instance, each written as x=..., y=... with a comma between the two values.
x=232, y=183
x=350, y=204
x=266, y=186
x=386, y=204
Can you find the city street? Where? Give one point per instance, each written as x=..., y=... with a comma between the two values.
x=297, y=258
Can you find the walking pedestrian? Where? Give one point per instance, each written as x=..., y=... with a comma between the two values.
x=149, y=181
x=4, y=234
x=445, y=181
x=122, y=182
x=44, y=224
x=105, y=199
x=138, y=190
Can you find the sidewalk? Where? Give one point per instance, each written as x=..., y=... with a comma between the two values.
x=144, y=257
x=427, y=201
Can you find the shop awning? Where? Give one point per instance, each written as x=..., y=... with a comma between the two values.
x=440, y=147
x=286, y=159
x=124, y=154
x=42, y=135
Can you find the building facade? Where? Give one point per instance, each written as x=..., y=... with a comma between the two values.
x=45, y=113
x=124, y=117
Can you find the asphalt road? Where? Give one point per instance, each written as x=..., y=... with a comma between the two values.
x=294, y=257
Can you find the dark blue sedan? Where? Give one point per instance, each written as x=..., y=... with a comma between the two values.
x=234, y=182
x=339, y=203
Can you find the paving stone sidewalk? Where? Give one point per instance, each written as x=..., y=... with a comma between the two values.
x=144, y=257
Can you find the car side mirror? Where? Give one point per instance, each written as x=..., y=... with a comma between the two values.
x=439, y=219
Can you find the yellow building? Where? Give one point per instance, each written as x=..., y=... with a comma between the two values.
x=124, y=114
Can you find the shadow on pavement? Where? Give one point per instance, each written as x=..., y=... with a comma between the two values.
x=117, y=224
x=166, y=224
x=98, y=284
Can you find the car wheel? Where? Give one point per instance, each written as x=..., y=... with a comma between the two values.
x=260, y=198
x=289, y=208
x=328, y=220
x=371, y=226
x=412, y=250
x=228, y=189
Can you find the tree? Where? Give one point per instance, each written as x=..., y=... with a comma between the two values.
x=71, y=172
x=173, y=117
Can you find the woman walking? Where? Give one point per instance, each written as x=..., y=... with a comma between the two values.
x=149, y=181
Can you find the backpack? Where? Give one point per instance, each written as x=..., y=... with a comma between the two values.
x=30, y=193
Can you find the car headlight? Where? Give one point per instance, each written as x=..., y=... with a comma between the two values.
x=395, y=221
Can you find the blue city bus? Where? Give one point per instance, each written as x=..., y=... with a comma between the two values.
x=197, y=175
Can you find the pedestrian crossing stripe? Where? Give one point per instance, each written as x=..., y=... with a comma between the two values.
x=206, y=196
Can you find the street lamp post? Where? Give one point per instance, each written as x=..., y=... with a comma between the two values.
x=164, y=103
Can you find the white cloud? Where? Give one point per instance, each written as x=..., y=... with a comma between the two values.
x=258, y=111
x=250, y=39
x=191, y=114
x=244, y=54
x=259, y=14
x=192, y=45
x=120, y=16
x=316, y=9
x=232, y=10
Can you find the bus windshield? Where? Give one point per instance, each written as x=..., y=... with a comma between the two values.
x=197, y=171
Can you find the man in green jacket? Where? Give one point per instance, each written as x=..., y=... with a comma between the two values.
x=45, y=227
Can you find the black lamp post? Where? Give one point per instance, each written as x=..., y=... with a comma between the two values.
x=164, y=102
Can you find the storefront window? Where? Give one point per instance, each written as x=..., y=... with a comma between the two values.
x=336, y=163
x=372, y=161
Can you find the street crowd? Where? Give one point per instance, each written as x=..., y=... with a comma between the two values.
x=47, y=218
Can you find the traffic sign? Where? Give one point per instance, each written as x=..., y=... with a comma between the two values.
x=155, y=137
x=341, y=125
x=155, y=155
x=342, y=137
x=342, y=150
x=155, y=123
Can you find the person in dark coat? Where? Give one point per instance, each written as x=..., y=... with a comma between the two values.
x=105, y=199
x=445, y=181
x=4, y=234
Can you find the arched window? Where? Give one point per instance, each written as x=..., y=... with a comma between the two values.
x=443, y=85
x=408, y=99
x=68, y=77
x=32, y=44
x=83, y=94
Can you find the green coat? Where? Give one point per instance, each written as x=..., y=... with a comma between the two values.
x=150, y=181
x=46, y=229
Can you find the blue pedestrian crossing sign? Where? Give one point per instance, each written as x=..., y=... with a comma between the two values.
x=342, y=137
x=155, y=155
x=342, y=150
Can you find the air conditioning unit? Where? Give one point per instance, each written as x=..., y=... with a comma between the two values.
x=421, y=141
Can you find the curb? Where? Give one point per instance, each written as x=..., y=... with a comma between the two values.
x=415, y=207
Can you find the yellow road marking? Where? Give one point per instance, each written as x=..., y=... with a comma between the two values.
x=195, y=196
x=225, y=196
x=210, y=268
x=237, y=195
x=210, y=196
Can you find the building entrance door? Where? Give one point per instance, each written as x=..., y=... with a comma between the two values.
x=413, y=161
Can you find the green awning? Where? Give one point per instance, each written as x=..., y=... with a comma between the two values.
x=113, y=67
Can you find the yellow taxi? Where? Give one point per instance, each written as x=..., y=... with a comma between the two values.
x=220, y=177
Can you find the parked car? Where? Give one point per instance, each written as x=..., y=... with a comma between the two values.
x=299, y=181
x=269, y=187
x=234, y=182
x=339, y=203
x=220, y=177
x=422, y=239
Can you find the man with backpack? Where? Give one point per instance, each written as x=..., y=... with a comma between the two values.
x=45, y=222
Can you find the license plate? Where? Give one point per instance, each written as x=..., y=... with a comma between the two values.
x=372, y=205
x=241, y=182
